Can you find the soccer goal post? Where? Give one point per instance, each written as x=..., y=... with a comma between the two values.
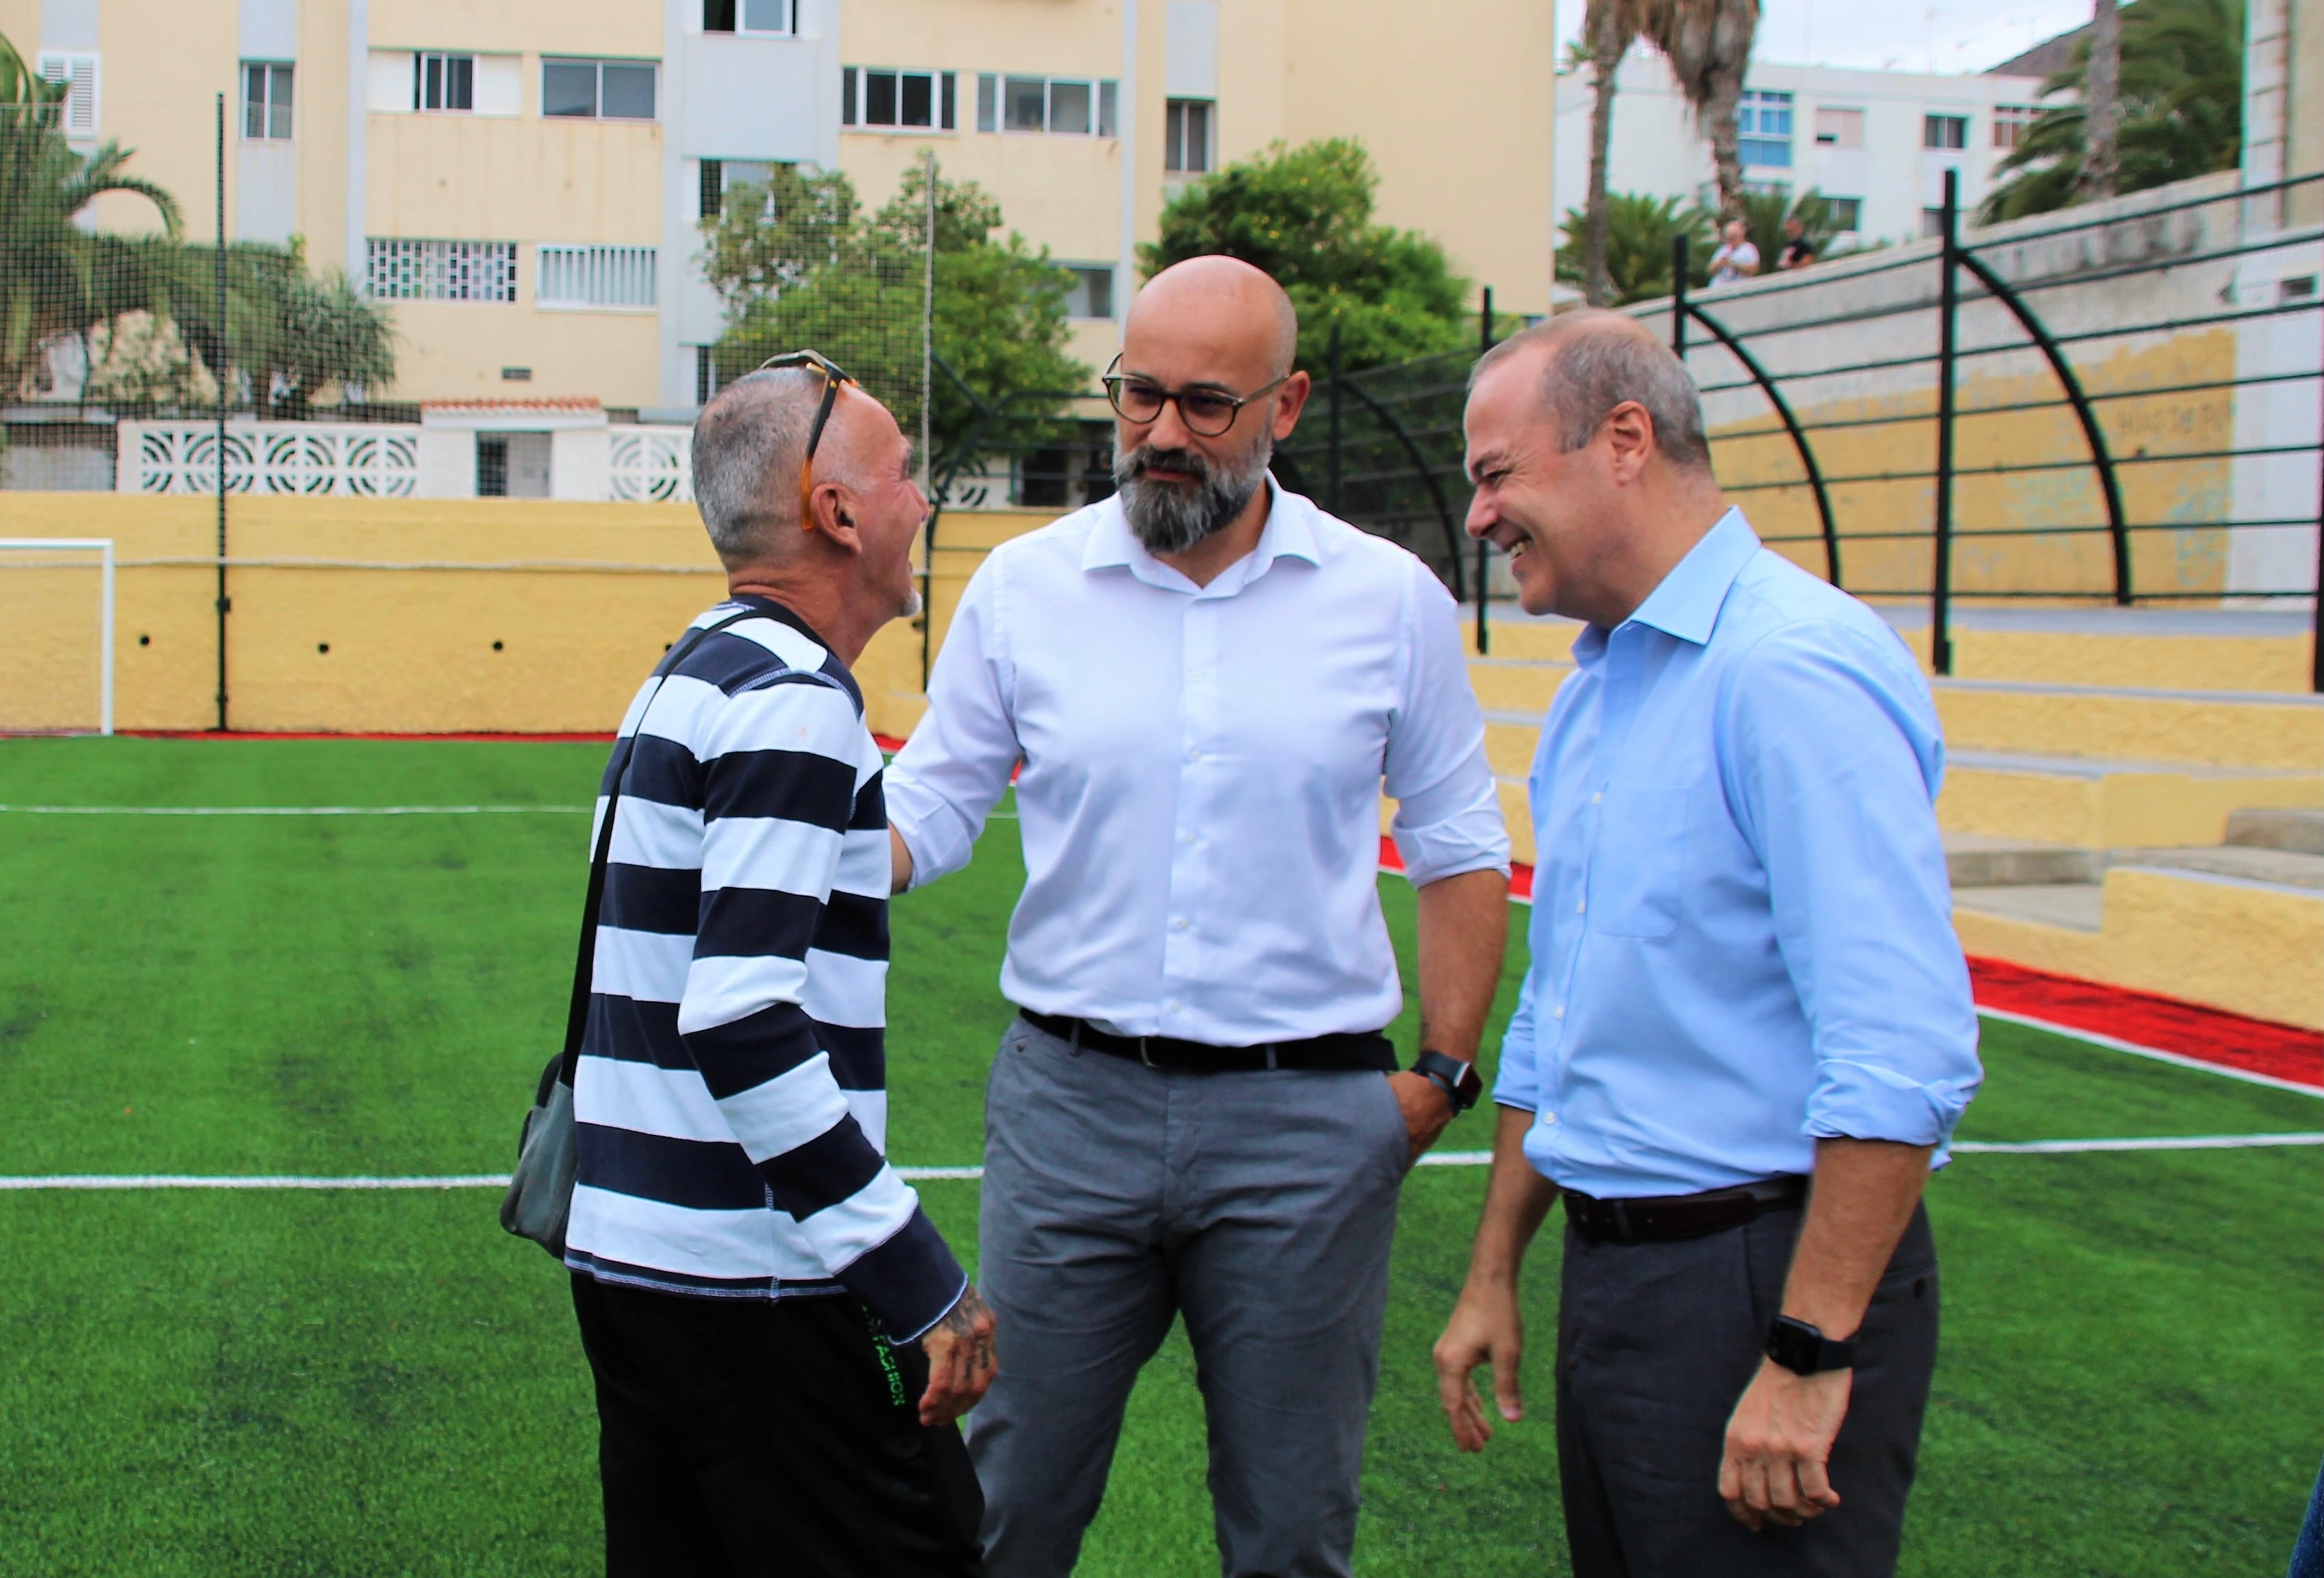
x=45, y=665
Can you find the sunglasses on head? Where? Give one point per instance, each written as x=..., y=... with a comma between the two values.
x=833, y=377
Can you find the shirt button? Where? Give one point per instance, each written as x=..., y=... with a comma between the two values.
x=1558, y=1012
x=1549, y=1117
x=1595, y=799
x=1581, y=905
x=1188, y=839
x=1179, y=924
x=1171, y=1006
x=1193, y=753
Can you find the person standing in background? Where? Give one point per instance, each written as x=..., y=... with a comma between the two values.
x=1737, y=259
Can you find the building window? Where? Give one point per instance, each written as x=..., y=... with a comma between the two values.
x=609, y=90
x=1844, y=213
x=909, y=100
x=721, y=176
x=1840, y=128
x=1763, y=122
x=78, y=71
x=1932, y=223
x=1060, y=106
x=765, y=18
x=1186, y=136
x=1092, y=293
x=444, y=82
x=2010, y=122
x=594, y=276
x=396, y=270
x=265, y=101
x=1945, y=130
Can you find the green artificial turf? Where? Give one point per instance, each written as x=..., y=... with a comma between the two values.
x=343, y=1383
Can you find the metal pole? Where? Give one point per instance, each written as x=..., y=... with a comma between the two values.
x=928, y=403
x=225, y=603
x=1678, y=295
x=1332, y=475
x=1941, y=591
x=105, y=646
x=1484, y=563
x=2316, y=617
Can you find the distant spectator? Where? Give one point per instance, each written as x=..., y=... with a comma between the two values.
x=1735, y=260
x=1798, y=250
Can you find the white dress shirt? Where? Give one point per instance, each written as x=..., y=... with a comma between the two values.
x=1203, y=766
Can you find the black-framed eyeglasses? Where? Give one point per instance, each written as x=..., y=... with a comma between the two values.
x=833, y=378
x=1207, y=413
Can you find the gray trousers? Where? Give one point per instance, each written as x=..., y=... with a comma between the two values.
x=1260, y=1206
x=1655, y=1342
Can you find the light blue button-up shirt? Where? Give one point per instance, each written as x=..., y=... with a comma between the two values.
x=1742, y=935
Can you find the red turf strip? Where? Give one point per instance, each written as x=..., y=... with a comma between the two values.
x=2142, y=1018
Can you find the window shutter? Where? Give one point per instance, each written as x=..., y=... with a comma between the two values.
x=78, y=72
x=988, y=95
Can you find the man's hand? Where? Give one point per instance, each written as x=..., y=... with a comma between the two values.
x=961, y=1361
x=1426, y=1109
x=1485, y=1329
x=900, y=862
x=1778, y=1442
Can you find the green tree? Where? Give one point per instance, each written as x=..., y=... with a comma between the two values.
x=2179, y=106
x=288, y=332
x=798, y=264
x=1639, y=231
x=1707, y=44
x=1305, y=215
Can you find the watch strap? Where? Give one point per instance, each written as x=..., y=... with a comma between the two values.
x=1803, y=1349
x=1458, y=1081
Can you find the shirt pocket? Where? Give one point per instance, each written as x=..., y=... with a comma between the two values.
x=1640, y=864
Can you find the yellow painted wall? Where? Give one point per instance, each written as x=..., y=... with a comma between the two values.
x=582, y=599
x=1885, y=523
x=509, y=178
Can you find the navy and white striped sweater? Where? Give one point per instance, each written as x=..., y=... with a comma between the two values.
x=731, y=1095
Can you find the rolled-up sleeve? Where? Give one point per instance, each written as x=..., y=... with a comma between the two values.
x=1832, y=757
x=1448, y=814
x=1517, y=1083
x=955, y=767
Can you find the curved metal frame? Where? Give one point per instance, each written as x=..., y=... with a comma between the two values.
x=1681, y=310
x=1436, y=493
x=2101, y=459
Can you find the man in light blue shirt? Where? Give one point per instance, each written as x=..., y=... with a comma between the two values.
x=1744, y=978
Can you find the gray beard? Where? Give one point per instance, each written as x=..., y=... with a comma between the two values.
x=1170, y=519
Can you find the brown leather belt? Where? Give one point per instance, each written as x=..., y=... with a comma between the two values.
x=1660, y=1217
x=1346, y=1051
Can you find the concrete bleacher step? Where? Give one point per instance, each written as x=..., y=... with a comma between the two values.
x=2109, y=804
x=2300, y=831
x=2212, y=728
x=1978, y=860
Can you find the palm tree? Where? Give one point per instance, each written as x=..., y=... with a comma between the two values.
x=56, y=279
x=1639, y=231
x=2101, y=101
x=1708, y=43
x=2180, y=110
x=1609, y=25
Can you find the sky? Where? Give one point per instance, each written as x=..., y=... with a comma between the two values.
x=1906, y=35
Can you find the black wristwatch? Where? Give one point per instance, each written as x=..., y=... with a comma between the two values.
x=1458, y=1081
x=1803, y=1349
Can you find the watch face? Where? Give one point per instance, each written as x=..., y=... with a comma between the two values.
x=1795, y=1348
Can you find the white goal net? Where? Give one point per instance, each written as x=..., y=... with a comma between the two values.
x=56, y=635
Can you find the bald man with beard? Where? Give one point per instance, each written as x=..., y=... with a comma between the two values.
x=1208, y=682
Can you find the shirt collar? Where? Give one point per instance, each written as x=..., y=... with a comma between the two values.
x=1686, y=603
x=1289, y=534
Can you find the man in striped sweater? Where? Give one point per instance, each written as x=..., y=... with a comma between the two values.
x=781, y=1341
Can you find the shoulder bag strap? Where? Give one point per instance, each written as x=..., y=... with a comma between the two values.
x=576, y=1018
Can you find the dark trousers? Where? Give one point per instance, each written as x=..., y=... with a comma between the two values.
x=739, y=1438
x=1655, y=1344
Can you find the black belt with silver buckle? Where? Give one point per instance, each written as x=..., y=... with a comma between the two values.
x=1344, y=1052
x=1661, y=1217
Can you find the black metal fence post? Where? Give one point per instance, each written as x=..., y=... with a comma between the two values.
x=1332, y=473
x=1940, y=590
x=1678, y=295
x=2315, y=615
x=219, y=373
x=1484, y=569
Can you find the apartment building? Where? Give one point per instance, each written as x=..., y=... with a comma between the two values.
x=1876, y=144
x=524, y=179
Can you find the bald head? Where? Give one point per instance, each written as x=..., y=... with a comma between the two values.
x=1222, y=299
x=1591, y=360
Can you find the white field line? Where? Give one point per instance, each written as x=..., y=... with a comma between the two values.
x=2118, y=1045
x=1441, y=1158
x=297, y=811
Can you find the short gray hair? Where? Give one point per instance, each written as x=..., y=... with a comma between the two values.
x=749, y=444
x=1596, y=363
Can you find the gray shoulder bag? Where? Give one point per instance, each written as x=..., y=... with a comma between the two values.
x=540, y=1195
